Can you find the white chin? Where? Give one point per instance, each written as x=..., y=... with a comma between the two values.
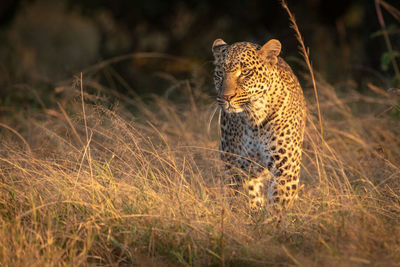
x=231, y=109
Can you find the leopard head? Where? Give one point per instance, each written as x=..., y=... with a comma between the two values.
x=242, y=71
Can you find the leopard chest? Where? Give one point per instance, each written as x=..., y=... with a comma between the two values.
x=241, y=144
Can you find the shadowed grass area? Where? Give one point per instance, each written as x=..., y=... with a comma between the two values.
x=149, y=189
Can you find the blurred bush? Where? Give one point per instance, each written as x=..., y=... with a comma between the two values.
x=46, y=41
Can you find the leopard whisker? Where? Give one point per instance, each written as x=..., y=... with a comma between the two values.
x=219, y=122
x=211, y=118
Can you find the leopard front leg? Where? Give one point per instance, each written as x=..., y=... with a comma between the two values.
x=282, y=191
x=256, y=190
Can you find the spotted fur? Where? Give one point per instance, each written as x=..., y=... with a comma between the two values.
x=262, y=120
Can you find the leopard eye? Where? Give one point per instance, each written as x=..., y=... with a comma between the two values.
x=245, y=72
x=219, y=73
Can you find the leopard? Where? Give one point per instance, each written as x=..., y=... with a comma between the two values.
x=262, y=121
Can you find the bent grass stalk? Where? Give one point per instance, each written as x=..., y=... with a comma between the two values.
x=305, y=52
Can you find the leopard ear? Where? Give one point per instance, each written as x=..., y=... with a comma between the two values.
x=270, y=51
x=217, y=47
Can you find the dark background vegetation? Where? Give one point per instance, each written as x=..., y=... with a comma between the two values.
x=43, y=44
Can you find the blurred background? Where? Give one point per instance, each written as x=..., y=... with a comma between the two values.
x=44, y=43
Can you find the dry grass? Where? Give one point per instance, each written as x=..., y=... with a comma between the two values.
x=88, y=185
x=148, y=189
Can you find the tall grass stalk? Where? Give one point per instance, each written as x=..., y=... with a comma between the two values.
x=305, y=52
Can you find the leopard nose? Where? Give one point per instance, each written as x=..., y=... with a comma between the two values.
x=228, y=97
